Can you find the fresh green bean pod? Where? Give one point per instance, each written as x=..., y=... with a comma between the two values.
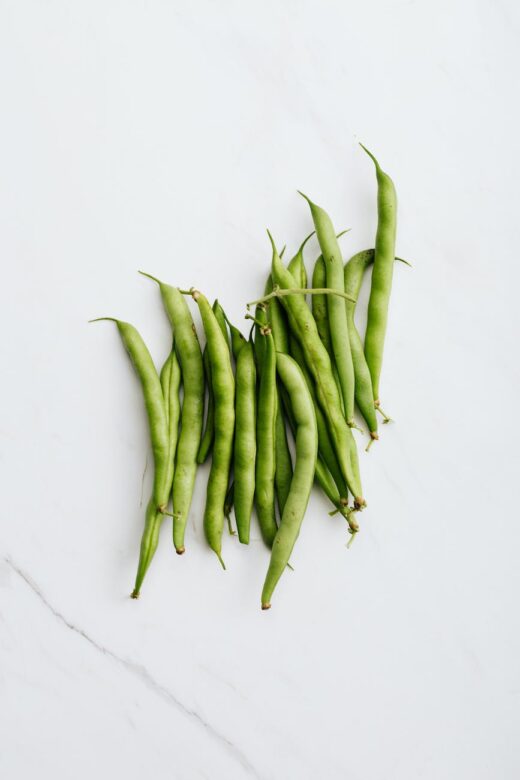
x=319, y=304
x=245, y=439
x=381, y=285
x=323, y=476
x=223, y=385
x=189, y=355
x=265, y=441
x=303, y=325
x=321, y=315
x=206, y=441
x=354, y=270
x=326, y=448
x=170, y=379
x=283, y=460
x=335, y=306
x=157, y=422
x=303, y=477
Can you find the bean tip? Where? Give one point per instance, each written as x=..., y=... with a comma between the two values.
x=135, y=594
x=309, y=201
x=180, y=550
x=266, y=605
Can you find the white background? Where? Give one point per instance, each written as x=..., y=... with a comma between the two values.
x=168, y=136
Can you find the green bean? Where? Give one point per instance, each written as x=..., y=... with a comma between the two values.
x=157, y=422
x=303, y=477
x=223, y=386
x=326, y=452
x=321, y=315
x=381, y=275
x=303, y=324
x=265, y=441
x=190, y=358
x=170, y=379
x=336, y=310
x=354, y=271
x=319, y=304
x=245, y=439
x=283, y=461
x=206, y=441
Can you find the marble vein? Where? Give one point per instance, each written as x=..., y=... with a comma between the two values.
x=139, y=671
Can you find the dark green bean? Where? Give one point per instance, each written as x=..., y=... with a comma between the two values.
x=206, y=441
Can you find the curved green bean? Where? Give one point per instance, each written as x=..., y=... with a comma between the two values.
x=157, y=422
x=303, y=477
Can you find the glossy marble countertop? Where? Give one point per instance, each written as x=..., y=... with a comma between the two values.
x=168, y=137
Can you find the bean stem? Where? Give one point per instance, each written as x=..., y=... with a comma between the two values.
x=279, y=293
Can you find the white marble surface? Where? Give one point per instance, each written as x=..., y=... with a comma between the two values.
x=169, y=136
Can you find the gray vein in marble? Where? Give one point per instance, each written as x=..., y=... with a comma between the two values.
x=138, y=670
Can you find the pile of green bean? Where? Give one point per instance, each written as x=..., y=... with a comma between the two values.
x=300, y=373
